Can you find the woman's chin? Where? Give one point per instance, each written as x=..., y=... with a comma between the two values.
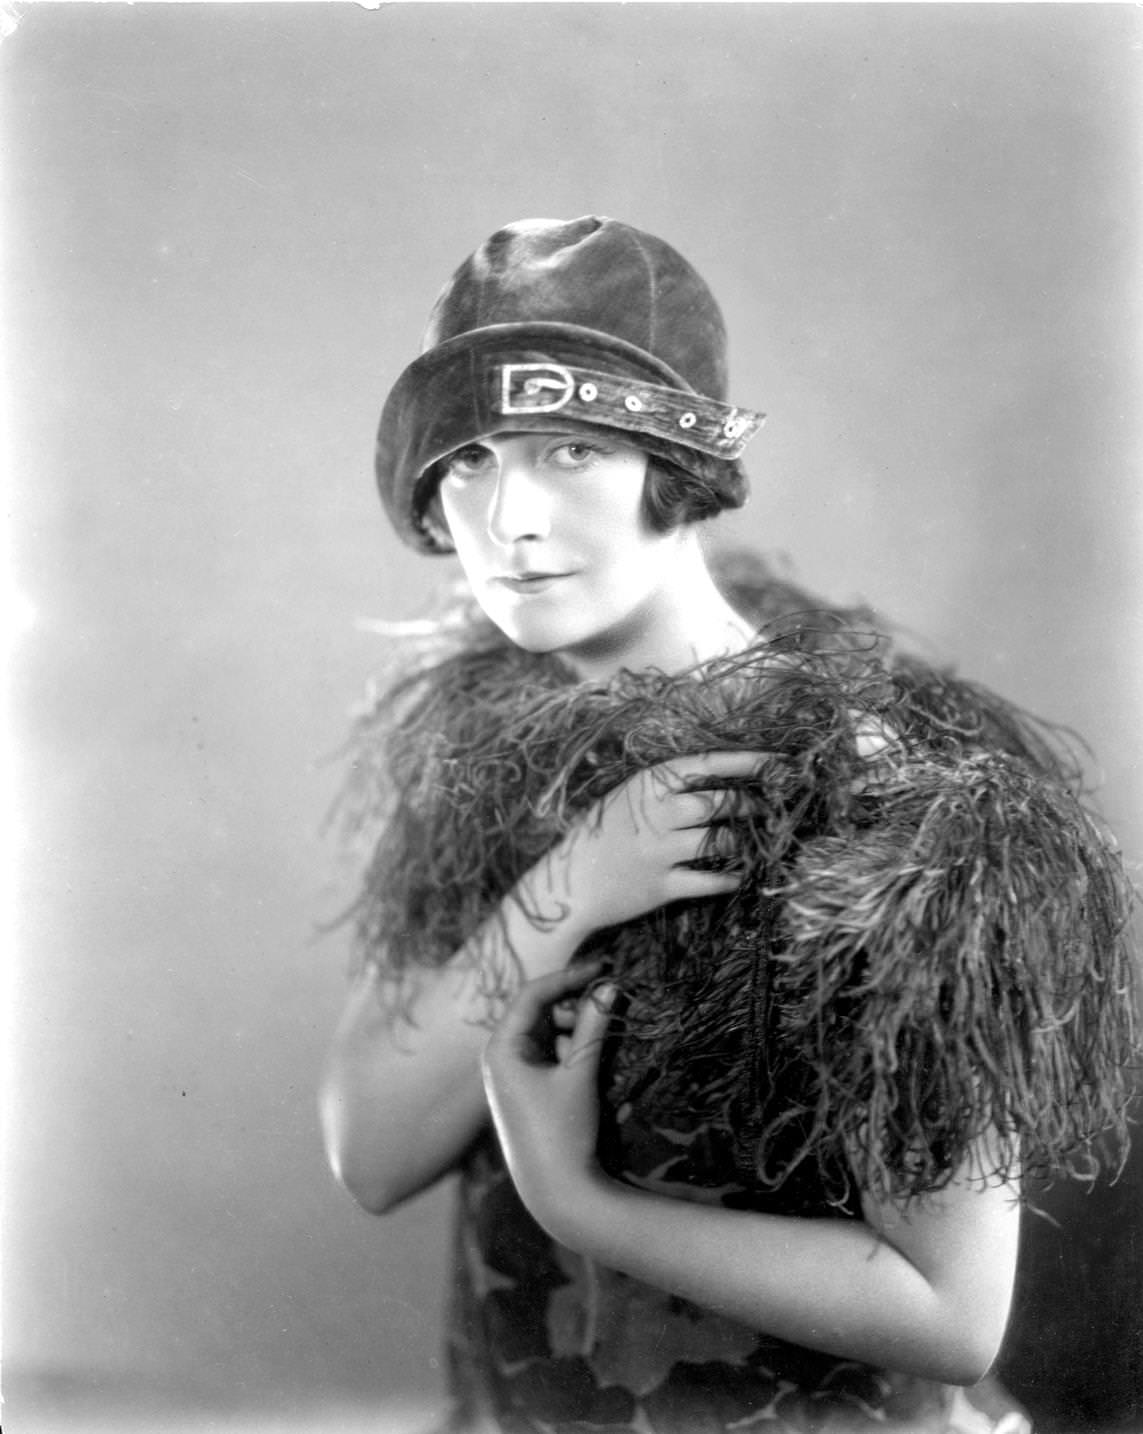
x=532, y=631
x=533, y=639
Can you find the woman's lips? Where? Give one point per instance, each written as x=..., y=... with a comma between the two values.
x=530, y=582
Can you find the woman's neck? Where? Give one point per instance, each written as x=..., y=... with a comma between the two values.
x=687, y=622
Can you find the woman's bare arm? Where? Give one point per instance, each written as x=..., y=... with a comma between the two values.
x=929, y=1296
x=922, y=1286
x=402, y=1097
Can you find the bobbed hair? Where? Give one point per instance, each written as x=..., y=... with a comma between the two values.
x=672, y=497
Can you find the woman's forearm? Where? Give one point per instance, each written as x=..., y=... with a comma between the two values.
x=402, y=1096
x=398, y=1102
x=830, y=1284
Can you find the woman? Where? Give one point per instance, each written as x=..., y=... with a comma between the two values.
x=794, y=953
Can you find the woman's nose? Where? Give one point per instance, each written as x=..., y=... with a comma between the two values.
x=520, y=506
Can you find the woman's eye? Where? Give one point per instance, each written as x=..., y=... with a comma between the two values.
x=467, y=461
x=574, y=455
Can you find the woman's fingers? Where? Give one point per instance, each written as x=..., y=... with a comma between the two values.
x=686, y=798
x=590, y=1027
x=523, y=1013
x=563, y=1013
x=700, y=808
x=690, y=791
x=545, y=1000
x=722, y=839
x=726, y=804
x=691, y=883
x=720, y=843
x=694, y=772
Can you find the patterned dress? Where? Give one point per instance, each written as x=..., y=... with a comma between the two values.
x=545, y=1341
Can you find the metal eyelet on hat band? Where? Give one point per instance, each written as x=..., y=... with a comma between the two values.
x=735, y=426
x=588, y=392
x=633, y=404
x=688, y=420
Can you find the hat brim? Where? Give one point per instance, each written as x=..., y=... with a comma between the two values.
x=452, y=395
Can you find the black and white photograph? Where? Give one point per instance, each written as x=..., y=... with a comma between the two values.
x=574, y=591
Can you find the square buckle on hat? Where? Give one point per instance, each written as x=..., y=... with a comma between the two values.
x=534, y=387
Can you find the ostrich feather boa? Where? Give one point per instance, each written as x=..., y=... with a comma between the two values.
x=931, y=941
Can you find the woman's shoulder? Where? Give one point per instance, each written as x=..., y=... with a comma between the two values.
x=897, y=702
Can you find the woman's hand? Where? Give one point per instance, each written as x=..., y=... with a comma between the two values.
x=923, y=1288
x=632, y=851
x=540, y=1075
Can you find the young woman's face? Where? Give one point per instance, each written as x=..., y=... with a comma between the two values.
x=549, y=530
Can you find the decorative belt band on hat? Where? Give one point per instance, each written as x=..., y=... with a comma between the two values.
x=691, y=419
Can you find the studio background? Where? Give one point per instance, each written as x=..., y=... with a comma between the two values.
x=224, y=229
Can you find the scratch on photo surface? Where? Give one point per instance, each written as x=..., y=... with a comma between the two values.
x=257, y=183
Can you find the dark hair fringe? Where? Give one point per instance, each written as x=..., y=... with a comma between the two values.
x=931, y=945
x=672, y=495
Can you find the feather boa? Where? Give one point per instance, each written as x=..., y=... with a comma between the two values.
x=931, y=941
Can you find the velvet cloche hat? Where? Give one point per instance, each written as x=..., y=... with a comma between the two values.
x=562, y=325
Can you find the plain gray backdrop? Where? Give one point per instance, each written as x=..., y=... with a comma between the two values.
x=225, y=226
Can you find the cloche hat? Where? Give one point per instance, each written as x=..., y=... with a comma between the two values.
x=561, y=325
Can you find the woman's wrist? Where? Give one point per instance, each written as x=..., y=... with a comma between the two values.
x=545, y=899
x=527, y=937
x=575, y=1206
